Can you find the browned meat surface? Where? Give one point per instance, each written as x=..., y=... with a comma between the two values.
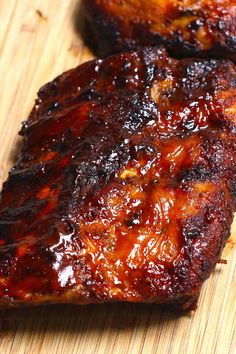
x=185, y=27
x=125, y=187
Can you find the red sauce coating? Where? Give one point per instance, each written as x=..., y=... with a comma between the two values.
x=125, y=186
x=203, y=28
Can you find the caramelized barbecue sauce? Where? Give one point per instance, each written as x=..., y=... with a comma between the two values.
x=204, y=28
x=113, y=169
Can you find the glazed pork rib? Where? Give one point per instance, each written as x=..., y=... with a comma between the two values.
x=125, y=186
x=185, y=27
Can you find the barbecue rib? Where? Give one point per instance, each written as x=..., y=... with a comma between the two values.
x=185, y=27
x=125, y=186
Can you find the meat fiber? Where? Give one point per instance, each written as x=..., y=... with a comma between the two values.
x=185, y=27
x=125, y=186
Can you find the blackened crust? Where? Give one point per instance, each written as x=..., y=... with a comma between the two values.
x=125, y=187
x=202, y=28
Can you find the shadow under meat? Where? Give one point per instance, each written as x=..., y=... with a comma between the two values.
x=85, y=318
x=16, y=150
x=78, y=18
x=82, y=28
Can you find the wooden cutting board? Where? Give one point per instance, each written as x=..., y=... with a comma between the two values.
x=38, y=40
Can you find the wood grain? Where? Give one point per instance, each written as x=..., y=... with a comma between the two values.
x=34, y=48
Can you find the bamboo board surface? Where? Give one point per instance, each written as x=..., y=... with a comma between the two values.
x=38, y=41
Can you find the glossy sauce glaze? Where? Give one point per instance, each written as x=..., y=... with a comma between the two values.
x=125, y=186
x=203, y=28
